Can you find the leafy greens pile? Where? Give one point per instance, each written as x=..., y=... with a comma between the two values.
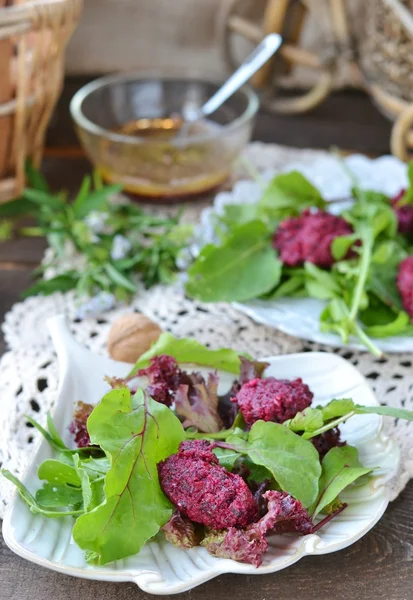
x=111, y=487
x=117, y=244
x=359, y=291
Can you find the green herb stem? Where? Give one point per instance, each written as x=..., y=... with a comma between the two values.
x=361, y=282
x=219, y=435
x=310, y=434
x=367, y=341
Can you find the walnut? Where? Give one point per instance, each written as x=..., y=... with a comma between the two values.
x=130, y=336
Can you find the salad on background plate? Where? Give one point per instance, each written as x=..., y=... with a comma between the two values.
x=199, y=462
x=336, y=271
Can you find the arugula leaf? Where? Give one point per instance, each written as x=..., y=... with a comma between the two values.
x=310, y=419
x=190, y=351
x=55, y=442
x=319, y=283
x=340, y=468
x=57, y=472
x=135, y=434
x=52, y=496
x=238, y=214
x=227, y=458
x=293, y=286
x=96, y=468
x=292, y=460
x=341, y=245
x=34, y=506
x=54, y=433
x=92, y=486
x=337, y=408
x=386, y=411
x=244, y=267
x=291, y=191
x=394, y=327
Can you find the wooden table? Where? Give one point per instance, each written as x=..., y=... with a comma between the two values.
x=379, y=566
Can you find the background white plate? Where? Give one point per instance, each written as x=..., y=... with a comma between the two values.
x=160, y=568
x=299, y=317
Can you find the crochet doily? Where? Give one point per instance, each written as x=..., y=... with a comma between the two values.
x=29, y=370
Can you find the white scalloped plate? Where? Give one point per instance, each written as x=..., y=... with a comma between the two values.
x=160, y=568
x=299, y=317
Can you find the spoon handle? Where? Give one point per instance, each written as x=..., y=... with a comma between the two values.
x=252, y=63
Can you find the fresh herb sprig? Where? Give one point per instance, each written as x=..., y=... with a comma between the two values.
x=116, y=245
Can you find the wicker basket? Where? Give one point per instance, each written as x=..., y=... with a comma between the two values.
x=33, y=37
x=386, y=60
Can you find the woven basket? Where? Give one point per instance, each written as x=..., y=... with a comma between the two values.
x=33, y=37
x=386, y=60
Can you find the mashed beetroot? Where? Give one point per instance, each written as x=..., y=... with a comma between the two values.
x=327, y=440
x=308, y=238
x=272, y=399
x=404, y=214
x=203, y=490
x=405, y=284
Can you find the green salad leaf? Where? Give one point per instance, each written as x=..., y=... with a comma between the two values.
x=190, y=351
x=359, y=290
x=292, y=461
x=310, y=419
x=292, y=192
x=135, y=433
x=340, y=468
x=227, y=458
x=58, y=497
x=48, y=508
x=92, y=482
x=245, y=266
x=58, y=472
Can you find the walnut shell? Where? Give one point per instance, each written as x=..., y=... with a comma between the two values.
x=130, y=336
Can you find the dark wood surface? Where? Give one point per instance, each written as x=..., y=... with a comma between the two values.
x=380, y=565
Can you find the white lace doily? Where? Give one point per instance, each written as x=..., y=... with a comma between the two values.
x=28, y=371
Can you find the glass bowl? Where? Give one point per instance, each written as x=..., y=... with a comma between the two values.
x=128, y=125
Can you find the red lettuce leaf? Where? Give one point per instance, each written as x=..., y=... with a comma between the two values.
x=182, y=532
x=197, y=402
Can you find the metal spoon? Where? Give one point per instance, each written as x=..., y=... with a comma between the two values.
x=258, y=57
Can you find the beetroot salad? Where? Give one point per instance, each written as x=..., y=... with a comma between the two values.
x=351, y=256
x=165, y=453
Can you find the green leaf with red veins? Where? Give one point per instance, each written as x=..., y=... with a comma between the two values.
x=136, y=434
